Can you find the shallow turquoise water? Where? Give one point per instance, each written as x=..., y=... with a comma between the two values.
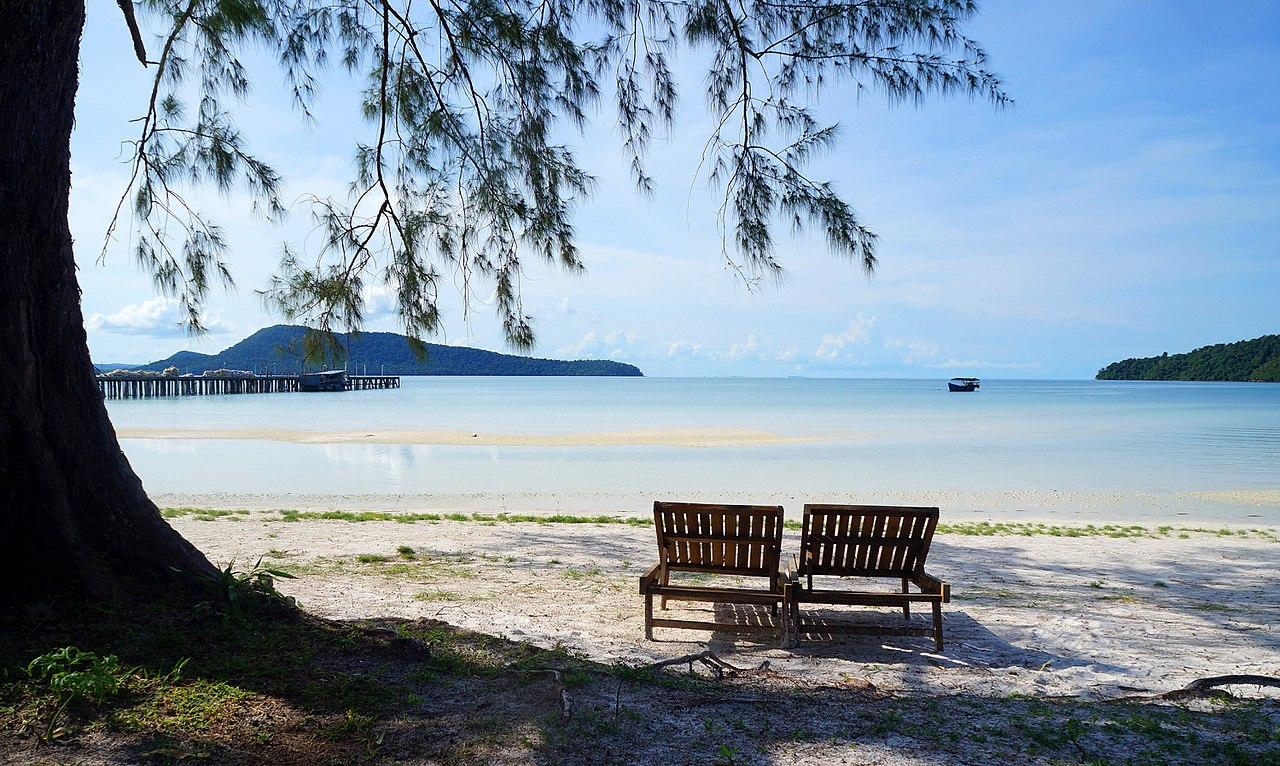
x=1081, y=436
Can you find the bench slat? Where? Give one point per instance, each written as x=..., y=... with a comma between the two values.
x=807, y=627
x=719, y=627
x=859, y=598
x=716, y=595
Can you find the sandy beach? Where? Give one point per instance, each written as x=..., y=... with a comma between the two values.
x=1092, y=616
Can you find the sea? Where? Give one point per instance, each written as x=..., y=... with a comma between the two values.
x=1146, y=451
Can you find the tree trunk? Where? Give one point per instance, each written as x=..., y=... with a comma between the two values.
x=74, y=518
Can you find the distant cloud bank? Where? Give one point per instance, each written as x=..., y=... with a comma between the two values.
x=157, y=317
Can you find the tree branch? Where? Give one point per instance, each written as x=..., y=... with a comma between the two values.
x=140, y=50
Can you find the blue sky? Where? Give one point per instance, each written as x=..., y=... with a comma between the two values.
x=1127, y=205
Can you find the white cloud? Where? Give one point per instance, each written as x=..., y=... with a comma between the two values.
x=917, y=352
x=613, y=344
x=575, y=349
x=747, y=348
x=681, y=349
x=953, y=363
x=834, y=346
x=157, y=317
x=380, y=301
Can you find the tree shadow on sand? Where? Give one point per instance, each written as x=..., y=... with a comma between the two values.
x=288, y=688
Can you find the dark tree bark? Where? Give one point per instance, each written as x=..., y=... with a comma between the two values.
x=74, y=518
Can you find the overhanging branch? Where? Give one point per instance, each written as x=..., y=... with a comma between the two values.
x=139, y=49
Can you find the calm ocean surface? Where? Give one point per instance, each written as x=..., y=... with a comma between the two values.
x=883, y=435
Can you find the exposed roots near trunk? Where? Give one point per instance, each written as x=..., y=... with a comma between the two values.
x=1206, y=687
x=719, y=668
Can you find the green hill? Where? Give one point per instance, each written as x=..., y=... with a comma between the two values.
x=1247, y=360
x=279, y=349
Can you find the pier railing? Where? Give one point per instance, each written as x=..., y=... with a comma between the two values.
x=141, y=387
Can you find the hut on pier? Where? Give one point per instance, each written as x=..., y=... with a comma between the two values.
x=327, y=380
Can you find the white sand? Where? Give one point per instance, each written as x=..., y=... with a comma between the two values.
x=1033, y=615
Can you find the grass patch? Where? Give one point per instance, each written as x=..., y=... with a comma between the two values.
x=417, y=566
x=1211, y=606
x=185, y=709
x=588, y=573
x=1115, y=531
x=963, y=528
x=486, y=518
x=1121, y=598
x=203, y=514
x=435, y=595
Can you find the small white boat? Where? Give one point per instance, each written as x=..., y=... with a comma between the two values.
x=963, y=384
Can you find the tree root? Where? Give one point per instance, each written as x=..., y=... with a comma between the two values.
x=719, y=667
x=1203, y=687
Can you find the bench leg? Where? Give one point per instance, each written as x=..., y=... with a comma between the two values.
x=784, y=634
x=788, y=625
x=648, y=616
x=906, y=606
x=937, y=625
x=666, y=577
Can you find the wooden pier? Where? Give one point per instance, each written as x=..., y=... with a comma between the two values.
x=362, y=382
x=143, y=387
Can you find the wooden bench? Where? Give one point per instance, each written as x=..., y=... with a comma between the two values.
x=865, y=541
x=732, y=540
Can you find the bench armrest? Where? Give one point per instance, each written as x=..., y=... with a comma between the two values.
x=649, y=578
x=793, y=568
x=927, y=583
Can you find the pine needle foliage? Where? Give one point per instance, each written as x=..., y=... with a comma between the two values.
x=467, y=172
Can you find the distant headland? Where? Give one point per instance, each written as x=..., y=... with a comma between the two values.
x=279, y=349
x=1256, y=360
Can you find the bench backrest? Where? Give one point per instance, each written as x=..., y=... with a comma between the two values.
x=865, y=540
x=723, y=539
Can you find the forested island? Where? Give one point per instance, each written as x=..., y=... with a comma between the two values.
x=1248, y=360
x=278, y=349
